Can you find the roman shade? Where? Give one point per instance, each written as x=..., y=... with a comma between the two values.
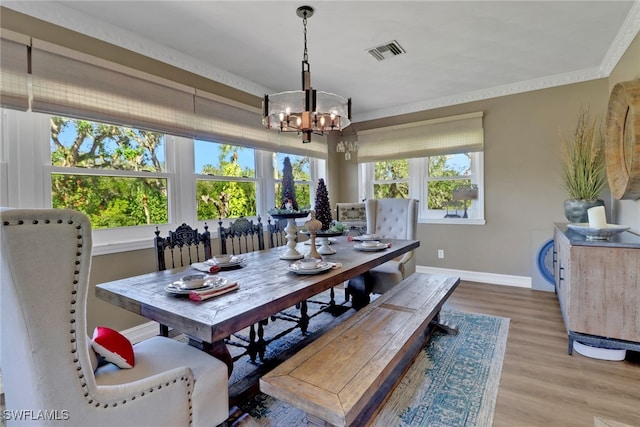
x=222, y=120
x=449, y=135
x=13, y=73
x=71, y=83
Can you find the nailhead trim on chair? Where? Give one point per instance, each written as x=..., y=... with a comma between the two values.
x=72, y=330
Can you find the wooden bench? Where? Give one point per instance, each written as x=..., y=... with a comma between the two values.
x=344, y=377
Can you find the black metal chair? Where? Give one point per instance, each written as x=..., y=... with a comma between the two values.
x=181, y=247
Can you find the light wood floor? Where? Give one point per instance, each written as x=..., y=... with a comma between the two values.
x=541, y=385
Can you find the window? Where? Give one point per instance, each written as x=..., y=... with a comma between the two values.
x=226, y=180
x=301, y=167
x=113, y=174
x=160, y=169
x=143, y=179
x=449, y=187
x=439, y=162
x=391, y=179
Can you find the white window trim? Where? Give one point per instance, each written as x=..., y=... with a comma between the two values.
x=417, y=187
x=25, y=174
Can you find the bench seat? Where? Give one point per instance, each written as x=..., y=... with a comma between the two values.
x=345, y=376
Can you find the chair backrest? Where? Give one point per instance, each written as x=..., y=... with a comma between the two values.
x=241, y=236
x=277, y=233
x=351, y=212
x=181, y=247
x=392, y=218
x=46, y=260
x=353, y=216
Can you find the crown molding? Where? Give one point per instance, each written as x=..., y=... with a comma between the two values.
x=81, y=23
x=479, y=95
x=627, y=33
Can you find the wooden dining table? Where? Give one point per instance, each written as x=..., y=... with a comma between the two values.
x=266, y=286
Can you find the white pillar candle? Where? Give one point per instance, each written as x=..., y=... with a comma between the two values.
x=597, y=217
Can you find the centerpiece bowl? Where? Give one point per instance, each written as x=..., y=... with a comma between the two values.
x=592, y=233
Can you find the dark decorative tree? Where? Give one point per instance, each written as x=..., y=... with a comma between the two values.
x=323, y=210
x=288, y=186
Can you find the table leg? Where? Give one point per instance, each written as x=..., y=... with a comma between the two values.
x=257, y=344
x=262, y=343
x=359, y=289
x=445, y=327
x=217, y=349
x=304, y=317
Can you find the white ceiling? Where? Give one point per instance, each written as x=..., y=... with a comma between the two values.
x=456, y=51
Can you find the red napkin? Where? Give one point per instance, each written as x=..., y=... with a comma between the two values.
x=196, y=295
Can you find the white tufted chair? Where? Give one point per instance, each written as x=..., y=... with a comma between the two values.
x=47, y=362
x=397, y=219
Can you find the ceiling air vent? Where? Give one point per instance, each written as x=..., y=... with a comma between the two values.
x=387, y=50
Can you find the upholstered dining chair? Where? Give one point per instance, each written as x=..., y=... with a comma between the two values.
x=47, y=359
x=396, y=219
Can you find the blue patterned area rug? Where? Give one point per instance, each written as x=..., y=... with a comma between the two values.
x=453, y=381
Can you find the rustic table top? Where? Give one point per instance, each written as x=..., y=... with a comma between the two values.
x=266, y=287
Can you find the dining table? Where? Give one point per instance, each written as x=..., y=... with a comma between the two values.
x=267, y=285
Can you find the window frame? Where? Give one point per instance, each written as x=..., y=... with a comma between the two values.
x=223, y=178
x=418, y=186
x=311, y=183
x=27, y=166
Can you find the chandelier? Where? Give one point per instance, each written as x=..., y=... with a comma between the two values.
x=307, y=111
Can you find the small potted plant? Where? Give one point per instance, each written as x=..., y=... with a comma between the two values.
x=583, y=167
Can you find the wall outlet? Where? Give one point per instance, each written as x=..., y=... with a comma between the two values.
x=440, y=253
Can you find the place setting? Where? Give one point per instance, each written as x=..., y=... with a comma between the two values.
x=219, y=262
x=192, y=282
x=371, y=246
x=200, y=287
x=312, y=266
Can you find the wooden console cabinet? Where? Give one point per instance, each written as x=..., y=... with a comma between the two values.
x=598, y=286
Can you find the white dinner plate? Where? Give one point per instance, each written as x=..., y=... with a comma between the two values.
x=297, y=268
x=174, y=288
x=315, y=266
x=234, y=261
x=371, y=248
x=366, y=237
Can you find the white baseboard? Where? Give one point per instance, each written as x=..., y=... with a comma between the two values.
x=475, y=276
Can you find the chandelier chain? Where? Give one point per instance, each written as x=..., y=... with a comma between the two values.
x=305, y=56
